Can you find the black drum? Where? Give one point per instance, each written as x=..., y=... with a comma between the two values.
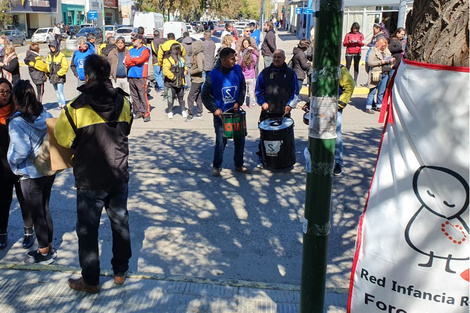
x=277, y=143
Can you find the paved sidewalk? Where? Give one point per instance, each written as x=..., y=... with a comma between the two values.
x=38, y=289
x=200, y=244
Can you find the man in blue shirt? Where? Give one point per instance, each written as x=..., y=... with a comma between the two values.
x=255, y=33
x=223, y=90
x=78, y=59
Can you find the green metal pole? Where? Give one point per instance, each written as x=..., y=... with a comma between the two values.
x=321, y=146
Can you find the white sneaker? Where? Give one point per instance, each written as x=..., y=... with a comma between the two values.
x=170, y=115
x=185, y=114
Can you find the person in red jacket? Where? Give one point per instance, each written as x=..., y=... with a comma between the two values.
x=353, y=41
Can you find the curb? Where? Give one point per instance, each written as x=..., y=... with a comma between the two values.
x=183, y=279
x=358, y=91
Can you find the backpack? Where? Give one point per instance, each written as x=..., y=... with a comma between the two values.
x=178, y=71
x=367, y=60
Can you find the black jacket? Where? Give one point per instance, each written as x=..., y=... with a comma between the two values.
x=301, y=65
x=35, y=63
x=103, y=119
x=269, y=43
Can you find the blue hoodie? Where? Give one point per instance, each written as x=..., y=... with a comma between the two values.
x=25, y=139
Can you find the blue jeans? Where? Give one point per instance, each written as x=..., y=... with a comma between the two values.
x=59, y=89
x=339, y=139
x=90, y=203
x=157, y=72
x=221, y=142
x=380, y=88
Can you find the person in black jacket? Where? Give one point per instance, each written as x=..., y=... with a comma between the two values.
x=101, y=170
x=301, y=64
x=8, y=179
x=37, y=69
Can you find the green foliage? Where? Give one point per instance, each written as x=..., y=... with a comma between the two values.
x=5, y=18
x=250, y=9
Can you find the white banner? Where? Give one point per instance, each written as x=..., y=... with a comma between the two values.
x=413, y=250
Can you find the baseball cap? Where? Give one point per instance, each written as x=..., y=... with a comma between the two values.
x=138, y=36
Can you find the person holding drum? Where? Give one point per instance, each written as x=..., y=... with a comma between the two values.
x=277, y=90
x=224, y=90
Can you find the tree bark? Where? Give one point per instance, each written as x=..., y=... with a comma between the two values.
x=438, y=32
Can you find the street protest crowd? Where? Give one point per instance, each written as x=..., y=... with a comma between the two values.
x=113, y=83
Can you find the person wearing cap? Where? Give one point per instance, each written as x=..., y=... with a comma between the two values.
x=57, y=67
x=255, y=33
x=301, y=64
x=136, y=61
x=78, y=58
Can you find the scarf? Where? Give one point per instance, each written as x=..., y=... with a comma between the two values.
x=7, y=61
x=5, y=113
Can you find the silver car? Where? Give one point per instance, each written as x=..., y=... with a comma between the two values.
x=14, y=36
x=127, y=33
x=43, y=35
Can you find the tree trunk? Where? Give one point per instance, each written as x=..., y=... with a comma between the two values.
x=438, y=32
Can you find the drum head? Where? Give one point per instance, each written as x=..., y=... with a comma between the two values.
x=275, y=123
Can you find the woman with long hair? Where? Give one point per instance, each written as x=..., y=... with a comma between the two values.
x=10, y=65
x=247, y=60
x=8, y=179
x=353, y=41
x=27, y=129
x=174, y=72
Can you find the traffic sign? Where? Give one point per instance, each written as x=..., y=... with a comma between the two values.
x=298, y=10
x=92, y=15
x=308, y=10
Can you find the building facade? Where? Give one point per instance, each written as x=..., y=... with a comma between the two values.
x=366, y=12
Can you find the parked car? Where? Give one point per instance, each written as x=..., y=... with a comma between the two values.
x=218, y=32
x=14, y=36
x=86, y=25
x=127, y=33
x=43, y=34
x=91, y=30
x=109, y=29
x=191, y=29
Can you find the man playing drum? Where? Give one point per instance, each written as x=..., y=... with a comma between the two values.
x=277, y=89
x=224, y=89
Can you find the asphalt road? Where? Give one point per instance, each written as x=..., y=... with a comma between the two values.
x=184, y=222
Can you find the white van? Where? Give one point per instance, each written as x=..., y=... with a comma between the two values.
x=150, y=21
x=175, y=27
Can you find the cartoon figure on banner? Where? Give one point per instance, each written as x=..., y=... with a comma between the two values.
x=439, y=229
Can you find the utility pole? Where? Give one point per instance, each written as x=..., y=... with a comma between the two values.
x=261, y=15
x=321, y=145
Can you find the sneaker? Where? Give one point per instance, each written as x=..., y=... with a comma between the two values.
x=36, y=257
x=338, y=170
x=199, y=115
x=147, y=118
x=242, y=169
x=185, y=114
x=189, y=118
x=52, y=251
x=170, y=115
x=369, y=111
x=216, y=172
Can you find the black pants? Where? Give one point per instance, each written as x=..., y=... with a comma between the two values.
x=356, y=58
x=37, y=192
x=6, y=197
x=138, y=90
x=40, y=91
x=175, y=92
x=90, y=203
x=195, y=95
